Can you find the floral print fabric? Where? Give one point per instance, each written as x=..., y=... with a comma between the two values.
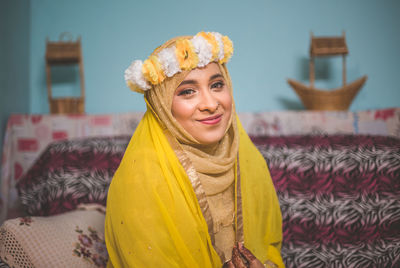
x=73, y=239
x=91, y=246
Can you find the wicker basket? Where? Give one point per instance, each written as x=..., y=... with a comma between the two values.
x=65, y=53
x=337, y=99
x=67, y=106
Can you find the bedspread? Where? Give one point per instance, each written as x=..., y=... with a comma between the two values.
x=28, y=135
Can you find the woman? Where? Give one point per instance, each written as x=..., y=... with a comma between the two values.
x=191, y=190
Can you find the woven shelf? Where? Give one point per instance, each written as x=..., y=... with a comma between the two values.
x=65, y=53
x=328, y=46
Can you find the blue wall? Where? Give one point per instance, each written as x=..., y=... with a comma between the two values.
x=14, y=60
x=271, y=40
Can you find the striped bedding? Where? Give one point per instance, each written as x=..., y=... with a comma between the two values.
x=340, y=198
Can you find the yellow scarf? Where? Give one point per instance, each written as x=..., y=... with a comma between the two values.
x=154, y=218
x=158, y=213
x=211, y=166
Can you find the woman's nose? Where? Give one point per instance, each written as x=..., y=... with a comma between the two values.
x=208, y=102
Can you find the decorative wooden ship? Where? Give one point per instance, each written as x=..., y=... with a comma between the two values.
x=335, y=99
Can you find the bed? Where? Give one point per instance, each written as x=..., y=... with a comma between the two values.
x=337, y=176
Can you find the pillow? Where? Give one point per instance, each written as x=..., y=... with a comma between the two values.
x=3, y=264
x=339, y=196
x=69, y=173
x=72, y=239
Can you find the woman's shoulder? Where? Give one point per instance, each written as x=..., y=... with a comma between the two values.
x=143, y=168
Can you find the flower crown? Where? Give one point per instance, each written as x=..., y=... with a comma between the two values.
x=186, y=54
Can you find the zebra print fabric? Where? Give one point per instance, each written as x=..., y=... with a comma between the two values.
x=3, y=264
x=69, y=173
x=340, y=199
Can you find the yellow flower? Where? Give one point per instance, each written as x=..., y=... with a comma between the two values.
x=213, y=42
x=185, y=54
x=135, y=87
x=228, y=49
x=152, y=70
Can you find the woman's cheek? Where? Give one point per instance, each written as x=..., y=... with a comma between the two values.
x=183, y=108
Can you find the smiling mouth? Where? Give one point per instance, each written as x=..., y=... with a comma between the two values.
x=212, y=120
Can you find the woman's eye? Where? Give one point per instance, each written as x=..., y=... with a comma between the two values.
x=218, y=84
x=186, y=92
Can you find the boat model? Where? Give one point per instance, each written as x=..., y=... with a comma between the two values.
x=323, y=99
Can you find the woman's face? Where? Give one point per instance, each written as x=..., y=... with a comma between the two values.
x=202, y=104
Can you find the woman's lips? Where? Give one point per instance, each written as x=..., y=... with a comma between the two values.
x=212, y=120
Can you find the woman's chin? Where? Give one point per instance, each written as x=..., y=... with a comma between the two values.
x=210, y=138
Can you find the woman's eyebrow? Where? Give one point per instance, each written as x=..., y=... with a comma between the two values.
x=186, y=82
x=194, y=82
x=216, y=76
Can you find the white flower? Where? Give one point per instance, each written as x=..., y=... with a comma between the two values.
x=135, y=75
x=203, y=50
x=169, y=62
x=218, y=37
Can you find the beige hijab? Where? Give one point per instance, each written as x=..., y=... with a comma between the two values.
x=213, y=164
